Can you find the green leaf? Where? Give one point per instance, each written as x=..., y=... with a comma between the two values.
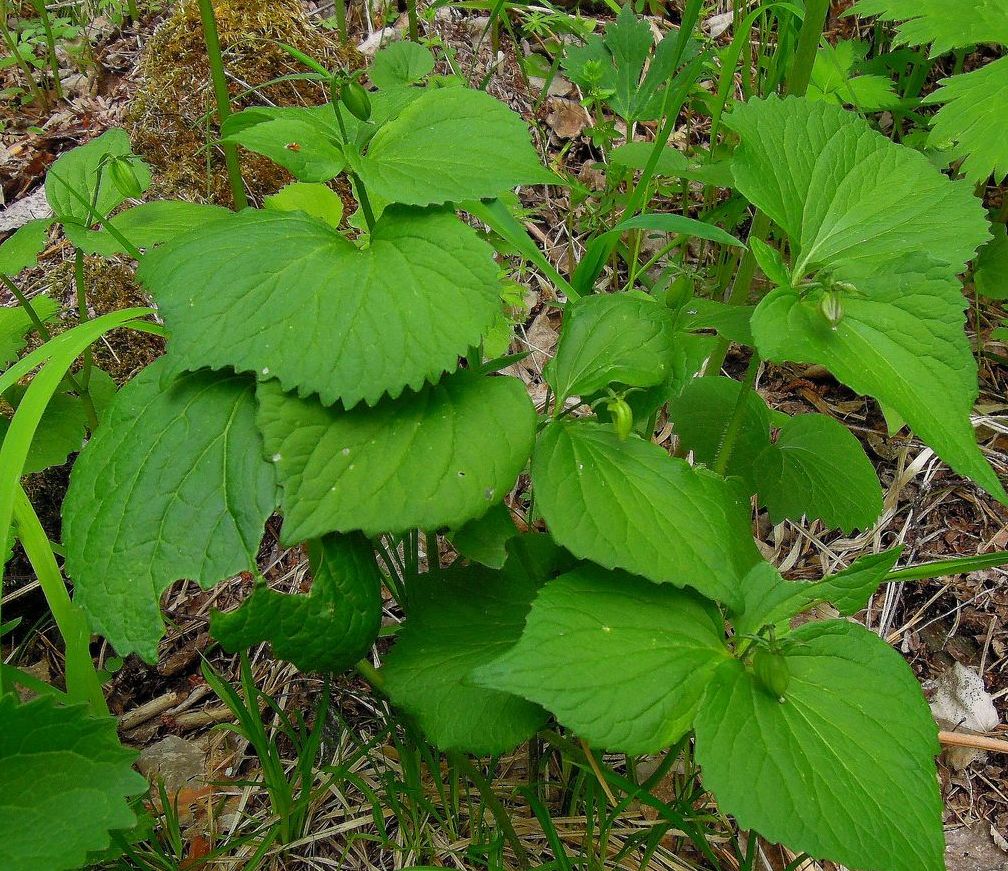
x=701, y=414
x=147, y=225
x=329, y=629
x=968, y=123
x=172, y=485
x=300, y=303
x=844, y=193
x=458, y=620
x=449, y=145
x=22, y=248
x=901, y=340
x=619, y=660
x=432, y=459
x=728, y=321
x=65, y=780
x=608, y=339
x=628, y=504
x=770, y=600
x=923, y=21
x=818, y=469
x=843, y=768
x=672, y=163
x=15, y=326
x=78, y=168
x=485, y=539
x=834, y=80
x=771, y=262
x=315, y=200
x=990, y=274
x=400, y=63
x=299, y=140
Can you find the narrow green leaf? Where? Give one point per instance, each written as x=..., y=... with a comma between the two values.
x=450, y=145
x=619, y=660
x=172, y=485
x=432, y=459
x=628, y=504
x=819, y=470
x=608, y=339
x=770, y=600
x=457, y=621
x=65, y=780
x=300, y=303
x=329, y=629
x=843, y=768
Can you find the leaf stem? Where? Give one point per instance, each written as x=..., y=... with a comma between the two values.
x=735, y=423
x=941, y=568
x=212, y=40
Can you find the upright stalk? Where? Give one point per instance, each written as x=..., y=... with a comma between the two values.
x=411, y=15
x=43, y=15
x=212, y=40
x=796, y=83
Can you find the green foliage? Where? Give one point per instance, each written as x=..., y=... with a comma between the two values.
x=64, y=779
x=400, y=63
x=843, y=767
x=173, y=485
x=924, y=21
x=990, y=273
x=22, y=248
x=836, y=79
x=15, y=325
x=327, y=630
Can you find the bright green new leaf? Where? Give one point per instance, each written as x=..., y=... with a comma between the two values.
x=990, y=274
x=619, y=660
x=147, y=225
x=15, y=326
x=701, y=414
x=901, y=340
x=78, y=168
x=485, y=539
x=845, y=194
x=770, y=600
x=835, y=80
x=65, y=781
x=628, y=504
x=316, y=200
x=303, y=141
x=436, y=458
x=400, y=63
x=457, y=621
x=22, y=248
x=300, y=303
x=608, y=339
x=818, y=469
x=923, y=21
x=172, y=485
x=843, y=768
x=448, y=145
x=967, y=124
x=329, y=629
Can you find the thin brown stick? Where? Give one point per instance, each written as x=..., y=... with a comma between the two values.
x=977, y=742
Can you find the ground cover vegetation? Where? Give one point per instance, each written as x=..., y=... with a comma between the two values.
x=339, y=367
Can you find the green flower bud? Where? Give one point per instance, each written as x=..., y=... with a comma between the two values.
x=831, y=306
x=357, y=101
x=124, y=177
x=771, y=671
x=622, y=416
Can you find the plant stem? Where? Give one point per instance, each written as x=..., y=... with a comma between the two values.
x=210, y=36
x=371, y=674
x=940, y=568
x=735, y=423
x=341, y=28
x=43, y=14
x=414, y=29
x=82, y=680
x=132, y=11
x=12, y=49
x=365, y=203
x=88, y=357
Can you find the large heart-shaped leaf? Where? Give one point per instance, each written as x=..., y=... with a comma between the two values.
x=172, y=485
x=901, y=340
x=844, y=193
x=459, y=620
x=607, y=339
x=449, y=145
x=843, y=767
x=431, y=459
x=22, y=248
x=300, y=303
x=147, y=225
x=621, y=661
x=65, y=780
x=628, y=504
x=329, y=629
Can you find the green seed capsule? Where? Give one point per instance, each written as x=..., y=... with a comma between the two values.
x=622, y=416
x=357, y=101
x=680, y=291
x=771, y=672
x=124, y=177
x=831, y=306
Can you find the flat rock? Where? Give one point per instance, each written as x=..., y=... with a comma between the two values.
x=177, y=762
